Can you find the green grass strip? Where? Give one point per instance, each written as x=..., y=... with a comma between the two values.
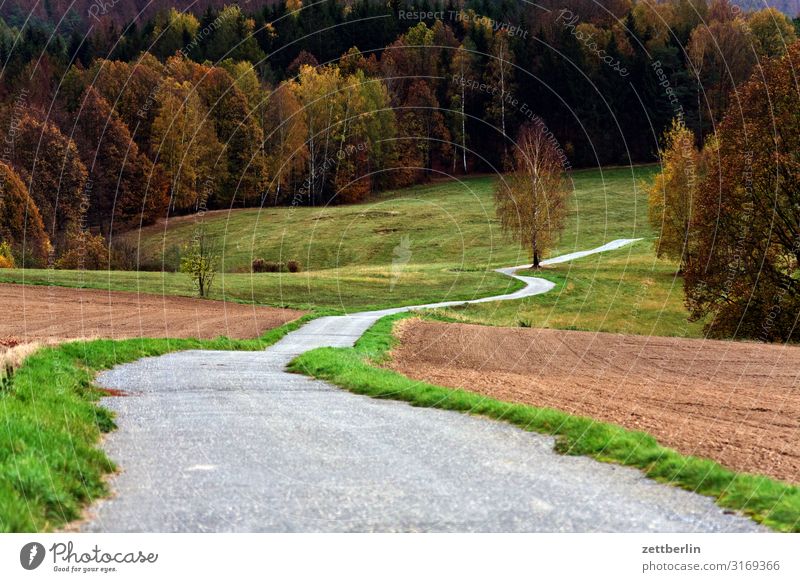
x=51, y=425
x=773, y=503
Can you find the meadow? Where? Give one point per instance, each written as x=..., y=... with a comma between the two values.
x=429, y=243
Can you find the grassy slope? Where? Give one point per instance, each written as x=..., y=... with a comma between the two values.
x=50, y=425
x=450, y=223
x=349, y=253
x=454, y=243
x=352, y=289
x=771, y=502
x=624, y=291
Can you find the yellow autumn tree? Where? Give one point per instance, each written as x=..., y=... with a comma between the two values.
x=672, y=195
x=285, y=132
x=186, y=146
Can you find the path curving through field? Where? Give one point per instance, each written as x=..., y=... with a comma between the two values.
x=230, y=442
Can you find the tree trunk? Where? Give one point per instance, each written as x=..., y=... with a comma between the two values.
x=463, y=121
x=536, y=258
x=503, y=100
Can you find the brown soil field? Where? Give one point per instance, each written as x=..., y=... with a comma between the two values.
x=39, y=313
x=737, y=403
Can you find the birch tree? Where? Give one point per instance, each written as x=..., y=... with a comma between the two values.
x=531, y=202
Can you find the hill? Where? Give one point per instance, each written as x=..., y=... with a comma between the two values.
x=437, y=242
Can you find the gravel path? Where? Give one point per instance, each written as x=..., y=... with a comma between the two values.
x=228, y=441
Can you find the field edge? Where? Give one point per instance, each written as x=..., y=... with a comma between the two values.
x=770, y=502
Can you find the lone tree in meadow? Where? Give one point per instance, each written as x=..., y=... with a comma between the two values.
x=200, y=260
x=531, y=202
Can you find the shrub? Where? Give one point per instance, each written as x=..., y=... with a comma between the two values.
x=151, y=266
x=257, y=266
x=262, y=266
x=86, y=251
x=200, y=261
x=123, y=255
x=172, y=259
x=6, y=256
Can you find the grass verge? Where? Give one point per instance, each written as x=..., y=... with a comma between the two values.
x=773, y=503
x=51, y=424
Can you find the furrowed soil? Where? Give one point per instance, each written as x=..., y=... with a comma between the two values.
x=736, y=403
x=39, y=313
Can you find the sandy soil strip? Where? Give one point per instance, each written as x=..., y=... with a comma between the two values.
x=737, y=403
x=38, y=313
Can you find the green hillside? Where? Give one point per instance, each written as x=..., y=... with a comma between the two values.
x=437, y=242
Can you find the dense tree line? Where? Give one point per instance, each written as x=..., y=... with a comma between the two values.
x=729, y=211
x=744, y=278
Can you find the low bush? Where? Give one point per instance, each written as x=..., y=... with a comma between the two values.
x=262, y=266
x=168, y=262
x=87, y=251
x=124, y=255
x=173, y=256
x=6, y=256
